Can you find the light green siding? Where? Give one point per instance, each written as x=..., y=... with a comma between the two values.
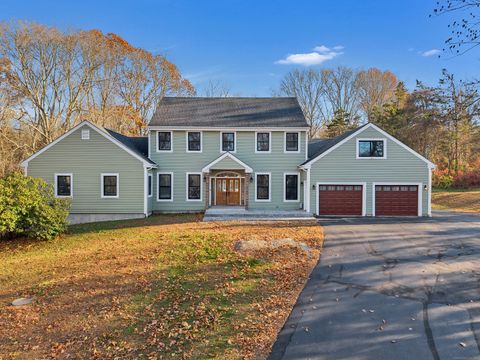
x=86, y=160
x=180, y=162
x=227, y=163
x=341, y=165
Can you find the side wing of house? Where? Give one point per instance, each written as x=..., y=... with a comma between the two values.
x=370, y=174
x=103, y=180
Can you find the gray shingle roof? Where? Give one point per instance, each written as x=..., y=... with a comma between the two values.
x=317, y=147
x=138, y=144
x=229, y=112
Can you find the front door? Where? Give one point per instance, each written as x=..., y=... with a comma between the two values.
x=227, y=191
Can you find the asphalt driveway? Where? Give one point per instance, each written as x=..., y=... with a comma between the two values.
x=390, y=289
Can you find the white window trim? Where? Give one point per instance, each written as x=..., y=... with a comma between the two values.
x=102, y=175
x=285, y=142
x=420, y=191
x=364, y=194
x=71, y=185
x=384, y=157
x=285, y=186
x=186, y=187
x=269, y=187
x=171, y=186
x=85, y=134
x=269, y=142
x=201, y=141
x=234, y=141
x=150, y=189
x=157, y=142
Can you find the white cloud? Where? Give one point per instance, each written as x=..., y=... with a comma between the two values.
x=319, y=55
x=432, y=52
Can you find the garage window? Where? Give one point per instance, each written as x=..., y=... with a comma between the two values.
x=371, y=149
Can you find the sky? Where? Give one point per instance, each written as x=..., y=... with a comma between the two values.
x=249, y=45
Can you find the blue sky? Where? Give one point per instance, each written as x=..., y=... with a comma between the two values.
x=248, y=44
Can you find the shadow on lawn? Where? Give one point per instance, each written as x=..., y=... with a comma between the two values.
x=153, y=220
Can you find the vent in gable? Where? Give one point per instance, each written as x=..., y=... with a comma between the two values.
x=86, y=134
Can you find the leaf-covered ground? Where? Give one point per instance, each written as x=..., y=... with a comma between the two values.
x=465, y=201
x=162, y=287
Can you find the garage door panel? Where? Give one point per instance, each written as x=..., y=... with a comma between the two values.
x=396, y=200
x=340, y=199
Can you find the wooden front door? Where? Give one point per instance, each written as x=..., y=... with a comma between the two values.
x=227, y=191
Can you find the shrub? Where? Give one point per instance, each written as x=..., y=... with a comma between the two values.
x=462, y=179
x=29, y=208
x=442, y=179
x=467, y=180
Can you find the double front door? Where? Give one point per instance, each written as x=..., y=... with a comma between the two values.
x=228, y=191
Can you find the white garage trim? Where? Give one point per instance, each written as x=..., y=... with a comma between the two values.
x=420, y=190
x=364, y=194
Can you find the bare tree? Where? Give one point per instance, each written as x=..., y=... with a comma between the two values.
x=50, y=80
x=217, y=88
x=376, y=88
x=308, y=87
x=464, y=30
x=342, y=92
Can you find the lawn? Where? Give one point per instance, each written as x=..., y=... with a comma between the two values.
x=457, y=200
x=163, y=287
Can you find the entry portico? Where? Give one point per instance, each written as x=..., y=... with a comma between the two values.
x=227, y=178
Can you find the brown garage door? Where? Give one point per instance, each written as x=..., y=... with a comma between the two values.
x=396, y=200
x=340, y=199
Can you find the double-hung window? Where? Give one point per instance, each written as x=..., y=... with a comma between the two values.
x=164, y=141
x=292, y=142
x=371, y=149
x=262, y=187
x=291, y=187
x=164, y=191
x=63, y=185
x=228, y=141
x=110, y=185
x=262, y=142
x=194, y=141
x=194, y=187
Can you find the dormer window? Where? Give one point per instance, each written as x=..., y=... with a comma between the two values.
x=371, y=149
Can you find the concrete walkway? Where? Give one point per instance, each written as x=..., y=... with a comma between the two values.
x=237, y=213
x=390, y=289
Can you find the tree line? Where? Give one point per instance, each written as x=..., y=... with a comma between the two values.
x=440, y=122
x=50, y=80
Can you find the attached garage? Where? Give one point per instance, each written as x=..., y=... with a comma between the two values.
x=341, y=199
x=366, y=172
x=397, y=199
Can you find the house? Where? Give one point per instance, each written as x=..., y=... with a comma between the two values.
x=245, y=152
